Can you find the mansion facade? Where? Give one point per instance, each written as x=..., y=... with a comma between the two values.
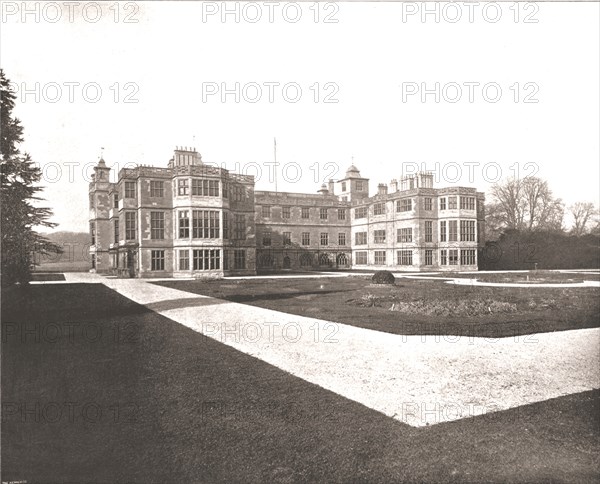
x=194, y=220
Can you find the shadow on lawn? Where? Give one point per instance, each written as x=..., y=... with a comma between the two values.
x=241, y=298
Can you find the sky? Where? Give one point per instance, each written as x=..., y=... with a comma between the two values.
x=474, y=93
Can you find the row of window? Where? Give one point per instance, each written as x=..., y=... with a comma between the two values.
x=305, y=238
x=448, y=233
x=201, y=259
x=405, y=257
x=199, y=187
x=305, y=212
x=406, y=205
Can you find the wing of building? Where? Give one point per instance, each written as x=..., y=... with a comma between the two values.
x=194, y=219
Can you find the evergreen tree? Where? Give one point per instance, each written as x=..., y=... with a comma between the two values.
x=19, y=187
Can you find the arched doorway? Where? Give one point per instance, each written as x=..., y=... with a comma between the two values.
x=324, y=260
x=342, y=260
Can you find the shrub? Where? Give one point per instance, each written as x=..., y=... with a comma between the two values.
x=383, y=277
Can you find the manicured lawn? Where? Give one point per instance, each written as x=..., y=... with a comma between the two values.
x=130, y=396
x=532, y=277
x=414, y=306
x=47, y=276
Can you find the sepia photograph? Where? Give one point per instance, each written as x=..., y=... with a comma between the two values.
x=299, y=242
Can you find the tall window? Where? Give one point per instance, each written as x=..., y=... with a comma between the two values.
x=205, y=224
x=379, y=257
x=405, y=257
x=157, y=188
x=157, y=225
x=343, y=186
x=360, y=238
x=323, y=213
x=467, y=257
x=239, y=259
x=116, y=227
x=184, y=260
x=324, y=238
x=467, y=203
x=379, y=236
x=404, y=235
x=305, y=212
x=360, y=212
x=93, y=232
x=428, y=203
x=184, y=224
x=428, y=257
x=225, y=229
x=453, y=257
x=305, y=238
x=239, y=227
x=404, y=205
x=341, y=214
x=183, y=187
x=266, y=239
x=115, y=200
x=206, y=259
x=287, y=238
x=379, y=209
x=130, y=225
x=443, y=235
x=266, y=211
x=157, y=260
x=444, y=257
x=443, y=203
x=452, y=203
x=360, y=258
x=129, y=189
x=467, y=230
x=452, y=231
x=205, y=188
x=359, y=186
x=428, y=231
x=341, y=238
x=285, y=212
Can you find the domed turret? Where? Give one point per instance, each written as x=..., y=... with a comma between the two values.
x=352, y=172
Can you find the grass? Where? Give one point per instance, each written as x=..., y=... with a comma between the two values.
x=195, y=410
x=531, y=277
x=63, y=266
x=414, y=306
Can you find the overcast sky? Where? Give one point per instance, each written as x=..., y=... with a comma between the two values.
x=374, y=59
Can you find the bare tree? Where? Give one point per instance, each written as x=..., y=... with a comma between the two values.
x=583, y=213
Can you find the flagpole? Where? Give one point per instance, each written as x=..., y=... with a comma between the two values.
x=275, y=159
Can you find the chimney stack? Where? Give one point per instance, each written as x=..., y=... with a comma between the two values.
x=394, y=185
x=382, y=189
x=331, y=184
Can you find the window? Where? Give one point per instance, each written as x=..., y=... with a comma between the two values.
x=287, y=238
x=428, y=203
x=129, y=189
x=239, y=227
x=428, y=231
x=444, y=257
x=452, y=203
x=205, y=224
x=360, y=238
x=116, y=227
x=237, y=193
x=266, y=211
x=379, y=209
x=428, y=257
x=467, y=257
x=93, y=261
x=467, y=203
x=239, y=259
x=323, y=213
x=93, y=232
x=206, y=259
x=183, y=186
x=305, y=238
x=404, y=235
x=157, y=188
x=184, y=260
x=225, y=195
x=360, y=258
x=184, y=224
x=404, y=205
x=266, y=240
x=285, y=212
x=359, y=186
x=360, y=212
x=157, y=260
x=405, y=257
x=157, y=225
x=130, y=225
x=115, y=200
x=453, y=257
x=343, y=186
x=379, y=257
x=467, y=230
x=225, y=230
x=341, y=238
x=443, y=203
x=341, y=214
x=205, y=188
x=225, y=260
x=305, y=212
x=443, y=231
x=306, y=260
x=379, y=236
x=452, y=231
x=324, y=238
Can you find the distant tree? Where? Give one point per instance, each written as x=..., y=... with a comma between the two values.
x=18, y=188
x=524, y=204
x=584, y=214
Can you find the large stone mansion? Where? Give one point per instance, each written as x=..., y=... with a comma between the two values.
x=192, y=219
